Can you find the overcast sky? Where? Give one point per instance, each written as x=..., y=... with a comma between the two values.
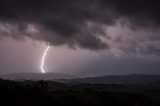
x=90, y=37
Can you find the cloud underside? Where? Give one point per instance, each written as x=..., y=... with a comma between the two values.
x=84, y=24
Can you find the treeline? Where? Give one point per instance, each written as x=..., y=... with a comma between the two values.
x=49, y=93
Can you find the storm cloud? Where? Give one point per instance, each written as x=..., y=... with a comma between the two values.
x=79, y=23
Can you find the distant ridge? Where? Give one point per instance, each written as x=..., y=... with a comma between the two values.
x=117, y=79
x=144, y=79
x=36, y=76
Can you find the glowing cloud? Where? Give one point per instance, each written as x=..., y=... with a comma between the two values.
x=43, y=58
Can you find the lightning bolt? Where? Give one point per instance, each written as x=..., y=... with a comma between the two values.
x=43, y=58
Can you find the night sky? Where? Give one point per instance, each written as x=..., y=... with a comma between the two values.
x=87, y=37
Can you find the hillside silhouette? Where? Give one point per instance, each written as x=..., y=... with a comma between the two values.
x=51, y=93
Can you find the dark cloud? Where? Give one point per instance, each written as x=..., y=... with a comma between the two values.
x=152, y=49
x=75, y=22
x=141, y=13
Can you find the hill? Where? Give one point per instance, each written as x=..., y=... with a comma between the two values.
x=116, y=79
x=36, y=76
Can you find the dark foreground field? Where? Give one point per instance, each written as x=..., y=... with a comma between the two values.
x=49, y=93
